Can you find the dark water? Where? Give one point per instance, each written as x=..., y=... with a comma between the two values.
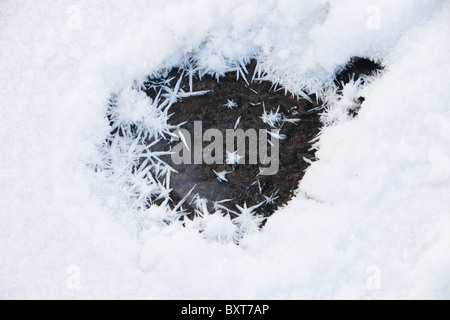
x=244, y=184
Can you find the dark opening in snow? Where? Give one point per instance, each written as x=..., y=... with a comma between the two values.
x=142, y=132
x=356, y=68
x=238, y=103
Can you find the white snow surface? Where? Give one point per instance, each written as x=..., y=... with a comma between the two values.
x=371, y=219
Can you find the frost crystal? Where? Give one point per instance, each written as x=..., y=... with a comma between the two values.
x=271, y=198
x=233, y=158
x=231, y=104
x=221, y=175
x=248, y=221
x=271, y=118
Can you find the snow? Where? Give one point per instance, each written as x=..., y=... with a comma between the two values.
x=372, y=215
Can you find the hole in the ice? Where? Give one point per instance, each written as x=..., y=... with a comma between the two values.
x=142, y=139
x=229, y=104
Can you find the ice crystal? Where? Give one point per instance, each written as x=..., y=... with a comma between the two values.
x=271, y=118
x=231, y=104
